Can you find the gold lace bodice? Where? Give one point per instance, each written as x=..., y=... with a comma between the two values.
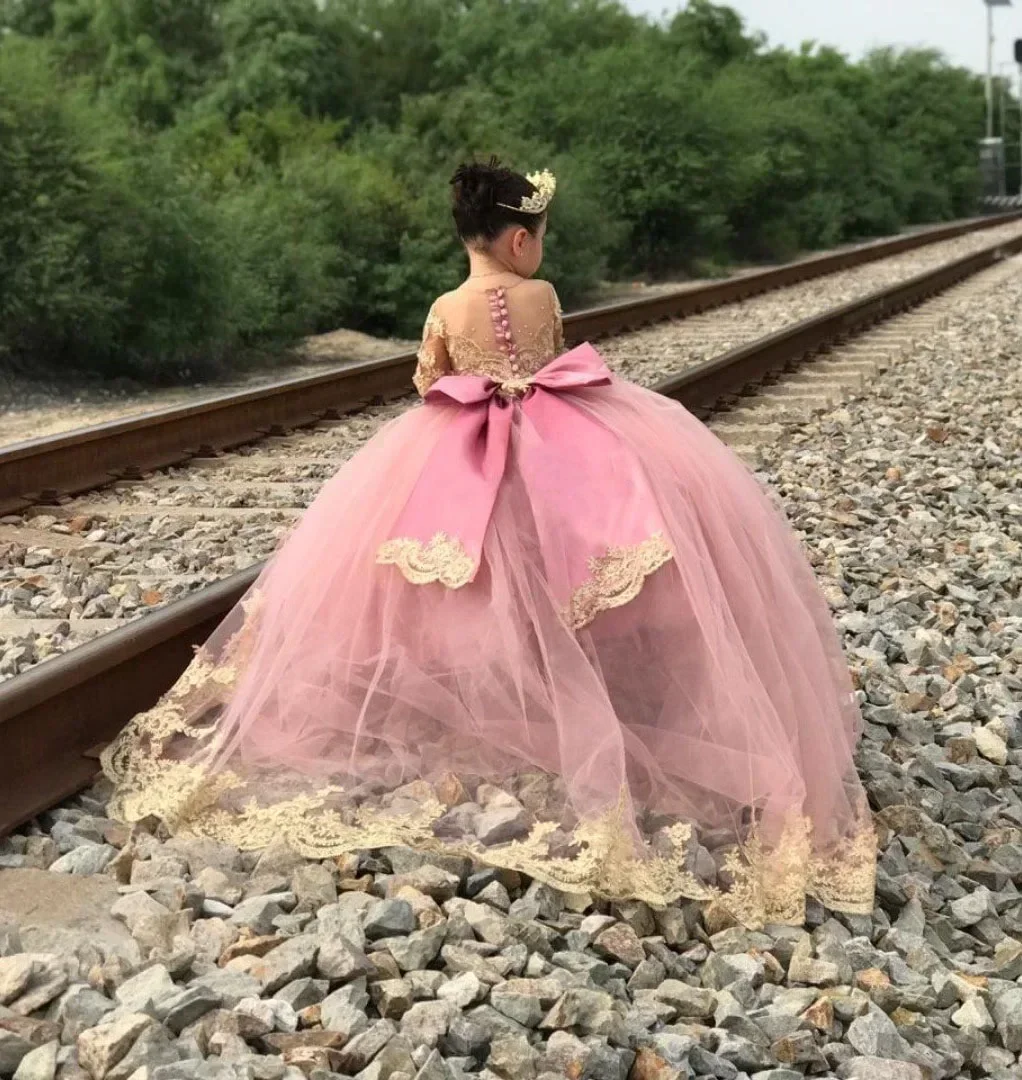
x=505, y=332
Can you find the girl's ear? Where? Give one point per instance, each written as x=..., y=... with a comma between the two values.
x=518, y=241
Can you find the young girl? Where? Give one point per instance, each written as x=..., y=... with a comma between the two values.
x=546, y=621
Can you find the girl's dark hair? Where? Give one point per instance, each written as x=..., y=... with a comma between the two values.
x=478, y=190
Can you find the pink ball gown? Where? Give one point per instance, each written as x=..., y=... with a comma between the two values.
x=546, y=621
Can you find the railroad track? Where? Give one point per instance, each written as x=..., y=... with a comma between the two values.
x=54, y=717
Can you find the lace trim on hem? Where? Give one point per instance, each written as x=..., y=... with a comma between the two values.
x=616, y=579
x=769, y=885
x=165, y=765
x=443, y=559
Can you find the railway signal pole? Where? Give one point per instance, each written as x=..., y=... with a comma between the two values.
x=1018, y=60
x=991, y=4
x=992, y=149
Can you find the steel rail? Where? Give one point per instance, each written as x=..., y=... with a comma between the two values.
x=47, y=469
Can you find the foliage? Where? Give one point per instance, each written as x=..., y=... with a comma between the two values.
x=183, y=180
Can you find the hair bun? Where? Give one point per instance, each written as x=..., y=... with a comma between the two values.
x=475, y=184
x=487, y=197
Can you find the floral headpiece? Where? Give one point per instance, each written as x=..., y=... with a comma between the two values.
x=545, y=184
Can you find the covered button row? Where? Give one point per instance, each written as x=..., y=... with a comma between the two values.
x=502, y=325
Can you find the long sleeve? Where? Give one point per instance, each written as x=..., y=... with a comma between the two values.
x=433, y=358
x=558, y=323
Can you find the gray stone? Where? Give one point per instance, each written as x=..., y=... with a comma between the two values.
x=85, y=859
x=487, y=923
x=337, y=1013
x=435, y=1068
x=703, y=1063
x=389, y=918
x=463, y=990
x=620, y=942
x=80, y=1008
x=187, y=1006
x=257, y=913
x=49, y=981
x=339, y=960
x=344, y=918
x=512, y=1057
x=393, y=1062
x=688, y=1001
x=744, y=1053
x=495, y=895
x=675, y=1049
x=151, y=1049
x=230, y=986
x=292, y=960
x=314, y=885
x=356, y=1054
x=16, y=973
x=874, y=1068
x=277, y=860
x=101, y=1048
x=419, y=949
x=432, y=881
x=146, y=991
x=874, y=1035
x=392, y=997
x=648, y=975
x=39, y=1064
x=302, y=993
x=466, y=1038
x=973, y=1013
x=1007, y=1013
x=525, y=1009
x=589, y=1011
x=13, y=1049
x=425, y=984
x=502, y=824
x=426, y=1022
x=218, y=885
x=802, y=968
x=971, y=909
x=135, y=906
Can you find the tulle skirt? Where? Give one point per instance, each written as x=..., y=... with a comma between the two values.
x=695, y=739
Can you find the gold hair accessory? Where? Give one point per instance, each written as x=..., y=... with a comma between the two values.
x=545, y=184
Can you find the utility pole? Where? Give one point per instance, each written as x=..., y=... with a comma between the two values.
x=990, y=5
x=1018, y=60
x=991, y=148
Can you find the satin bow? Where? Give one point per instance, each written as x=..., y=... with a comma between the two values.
x=582, y=366
x=584, y=487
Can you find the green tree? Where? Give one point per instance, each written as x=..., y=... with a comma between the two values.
x=187, y=180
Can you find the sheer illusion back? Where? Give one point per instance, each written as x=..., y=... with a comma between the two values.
x=506, y=332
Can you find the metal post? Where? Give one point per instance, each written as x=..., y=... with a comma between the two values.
x=1002, y=182
x=990, y=70
x=1018, y=59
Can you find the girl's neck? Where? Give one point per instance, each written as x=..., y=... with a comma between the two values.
x=483, y=264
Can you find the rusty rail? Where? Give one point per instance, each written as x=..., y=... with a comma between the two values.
x=44, y=470
x=54, y=716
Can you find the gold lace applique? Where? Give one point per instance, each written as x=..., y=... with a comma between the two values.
x=616, y=579
x=558, y=324
x=771, y=883
x=433, y=361
x=444, y=560
x=468, y=357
